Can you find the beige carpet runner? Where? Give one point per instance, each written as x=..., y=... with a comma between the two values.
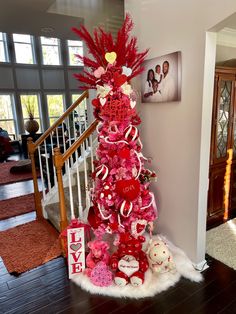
x=221, y=243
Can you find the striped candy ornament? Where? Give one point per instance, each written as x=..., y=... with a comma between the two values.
x=126, y=208
x=102, y=172
x=131, y=133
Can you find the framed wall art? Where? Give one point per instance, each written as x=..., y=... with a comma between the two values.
x=161, y=80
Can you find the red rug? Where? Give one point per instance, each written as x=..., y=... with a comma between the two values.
x=27, y=246
x=7, y=177
x=16, y=206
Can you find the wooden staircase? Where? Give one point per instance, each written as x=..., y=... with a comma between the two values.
x=65, y=168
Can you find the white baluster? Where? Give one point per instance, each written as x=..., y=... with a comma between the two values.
x=47, y=156
x=69, y=135
x=54, y=168
x=41, y=172
x=80, y=207
x=91, y=154
x=86, y=178
x=72, y=212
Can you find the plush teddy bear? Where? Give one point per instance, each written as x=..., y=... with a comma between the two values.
x=98, y=253
x=130, y=261
x=159, y=257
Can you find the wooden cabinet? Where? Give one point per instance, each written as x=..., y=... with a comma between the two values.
x=223, y=137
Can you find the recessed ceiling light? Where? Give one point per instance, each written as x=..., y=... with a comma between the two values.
x=47, y=30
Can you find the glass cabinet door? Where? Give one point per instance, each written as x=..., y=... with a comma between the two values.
x=223, y=117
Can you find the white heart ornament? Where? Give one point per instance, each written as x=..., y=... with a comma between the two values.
x=128, y=267
x=132, y=103
x=126, y=71
x=103, y=101
x=138, y=227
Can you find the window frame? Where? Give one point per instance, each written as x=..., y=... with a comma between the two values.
x=33, y=93
x=32, y=45
x=63, y=100
x=13, y=107
x=4, y=40
x=68, y=52
x=59, y=45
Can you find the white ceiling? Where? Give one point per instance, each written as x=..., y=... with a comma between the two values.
x=30, y=16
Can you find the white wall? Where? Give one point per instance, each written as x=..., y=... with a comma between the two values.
x=177, y=135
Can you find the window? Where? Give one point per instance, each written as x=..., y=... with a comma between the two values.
x=24, y=48
x=30, y=107
x=75, y=47
x=3, y=48
x=55, y=107
x=50, y=51
x=7, y=121
x=82, y=108
x=80, y=115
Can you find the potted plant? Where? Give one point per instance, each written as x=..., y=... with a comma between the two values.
x=31, y=125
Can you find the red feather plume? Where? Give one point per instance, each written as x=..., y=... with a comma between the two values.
x=101, y=43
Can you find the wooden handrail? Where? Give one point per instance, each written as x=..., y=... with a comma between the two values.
x=61, y=119
x=80, y=140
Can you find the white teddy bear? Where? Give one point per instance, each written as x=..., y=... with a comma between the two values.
x=159, y=257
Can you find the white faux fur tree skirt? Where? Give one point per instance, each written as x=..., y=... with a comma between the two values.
x=153, y=283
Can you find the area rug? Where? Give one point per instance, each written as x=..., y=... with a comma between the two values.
x=16, y=206
x=153, y=284
x=7, y=177
x=27, y=246
x=221, y=243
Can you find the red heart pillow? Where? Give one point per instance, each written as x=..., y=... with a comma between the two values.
x=128, y=189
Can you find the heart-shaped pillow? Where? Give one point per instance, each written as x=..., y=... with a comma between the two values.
x=128, y=189
x=128, y=267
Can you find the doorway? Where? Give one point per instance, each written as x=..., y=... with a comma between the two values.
x=223, y=132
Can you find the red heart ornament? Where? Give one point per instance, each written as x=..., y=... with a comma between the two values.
x=138, y=227
x=119, y=79
x=128, y=189
x=95, y=102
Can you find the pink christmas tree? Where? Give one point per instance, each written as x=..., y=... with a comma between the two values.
x=122, y=201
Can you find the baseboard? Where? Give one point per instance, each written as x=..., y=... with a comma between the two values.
x=201, y=266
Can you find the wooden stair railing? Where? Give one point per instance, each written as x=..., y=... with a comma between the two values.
x=33, y=147
x=59, y=160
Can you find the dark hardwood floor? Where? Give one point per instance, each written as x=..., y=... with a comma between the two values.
x=47, y=289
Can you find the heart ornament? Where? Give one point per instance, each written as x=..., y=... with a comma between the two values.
x=126, y=71
x=119, y=79
x=111, y=57
x=132, y=104
x=75, y=247
x=138, y=227
x=128, y=266
x=99, y=72
x=128, y=189
x=102, y=101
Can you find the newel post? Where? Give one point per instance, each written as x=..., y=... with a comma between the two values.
x=37, y=196
x=58, y=162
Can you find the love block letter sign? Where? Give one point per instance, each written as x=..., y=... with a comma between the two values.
x=76, y=251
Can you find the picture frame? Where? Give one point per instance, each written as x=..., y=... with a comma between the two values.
x=161, y=79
